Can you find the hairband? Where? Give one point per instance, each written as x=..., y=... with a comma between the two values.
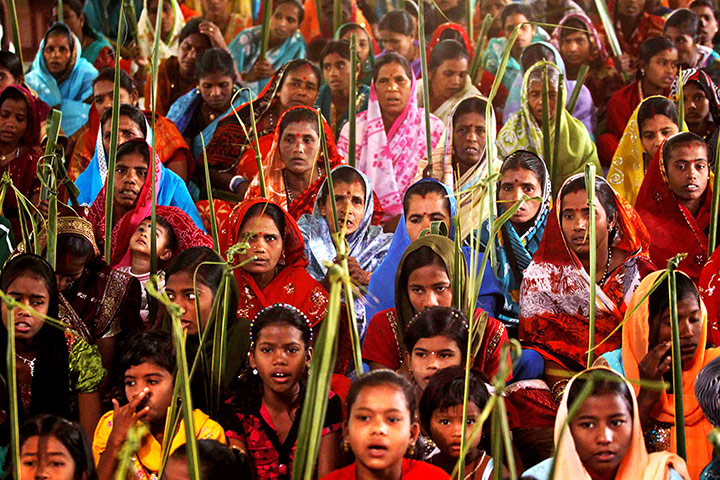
x=454, y=314
x=286, y=307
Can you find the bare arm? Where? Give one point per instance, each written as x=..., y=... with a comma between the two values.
x=329, y=456
x=90, y=406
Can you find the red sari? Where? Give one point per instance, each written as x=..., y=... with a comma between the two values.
x=411, y=470
x=673, y=229
x=292, y=284
x=710, y=292
x=621, y=105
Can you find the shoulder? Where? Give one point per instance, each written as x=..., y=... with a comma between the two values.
x=541, y=471
x=346, y=473
x=422, y=470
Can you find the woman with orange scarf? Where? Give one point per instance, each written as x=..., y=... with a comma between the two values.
x=645, y=356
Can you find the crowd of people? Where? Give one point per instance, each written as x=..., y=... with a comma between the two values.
x=252, y=102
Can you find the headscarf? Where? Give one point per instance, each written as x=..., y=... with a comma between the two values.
x=34, y=118
x=72, y=89
x=167, y=46
x=635, y=345
x=555, y=289
x=390, y=159
x=598, y=52
x=454, y=27
x=522, y=131
x=668, y=220
x=708, y=87
x=627, y=170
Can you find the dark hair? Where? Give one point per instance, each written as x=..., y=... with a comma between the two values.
x=301, y=114
x=70, y=245
x=35, y=266
x=469, y=105
x=77, y=7
x=136, y=145
x=216, y=460
x=452, y=34
x=397, y=21
x=422, y=257
x=705, y=3
x=534, y=53
x=130, y=111
x=283, y=314
x=71, y=435
x=656, y=106
x=108, y=75
x=446, y=389
x=297, y=64
x=424, y=188
x=438, y=321
x=340, y=47
x=603, y=191
x=515, y=9
x=447, y=50
x=392, y=57
x=654, y=45
x=659, y=300
x=685, y=20
x=605, y=382
x=172, y=240
x=11, y=62
x=707, y=391
x=342, y=175
x=382, y=377
x=214, y=60
x=192, y=27
x=268, y=210
x=678, y=140
x=574, y=24
x=296, y=4
x=352, y=27
x=151, y=346
x=526, y=160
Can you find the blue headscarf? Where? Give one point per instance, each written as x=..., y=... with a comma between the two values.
x=74, y=88
x=381, y=290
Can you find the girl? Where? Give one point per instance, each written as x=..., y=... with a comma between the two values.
x=604, y=438
x=654, y=121
x=365, y=49
x=381, y=431
x=270, y=394
x=702, y=104
x=52, y=447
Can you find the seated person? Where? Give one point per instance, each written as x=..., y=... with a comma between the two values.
x=706, y=391
x=147, y=366
x=397, y=32
x=682, y=28
x=216, y=461
x=365, y=48
x=675, y=200
x=702, y=105
x=708, y=24
x=171, y=23
x=96, y=49
x=223, y=20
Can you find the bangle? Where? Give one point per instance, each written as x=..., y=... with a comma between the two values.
x=235, y=182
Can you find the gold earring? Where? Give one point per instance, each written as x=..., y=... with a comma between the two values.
x=411, y=450
x=346, y=446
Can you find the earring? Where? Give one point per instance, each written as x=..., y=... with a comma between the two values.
x=642, y=72
x=346, y=446
x=411, y=450
x=254, y=371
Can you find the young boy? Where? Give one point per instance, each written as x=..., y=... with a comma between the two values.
x=148, y=365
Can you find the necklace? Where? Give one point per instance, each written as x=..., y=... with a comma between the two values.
x=290, y=196
x=478, y=464
x=4, y=157
x=607, y=267
x=28, y=362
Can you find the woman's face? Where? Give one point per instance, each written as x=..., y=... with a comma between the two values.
x=362, y=42
x=516, y=183
x=697, y=105
x=71, y=19
x=127, y=130
x=216, y=89
x=7, y=78
x=393, y=88
x=189, y=51
x=430, y=355
x=397, y=42
x=574, y=221
x=280, y=357
x=336, y=71
x=350, y=206
x=656, y=130
x=535, y=100
x=630, y=8
x=57, y=54
x=691, y=327
x=179, y=288
x=13, y=121
x=299, y=146
x=469, y=133
x=168, y=16
x=46, y=457
x=266, y=245
x=32, y=292
x=299, y=88
x=449, y=78
x=423, y=210
x=216, y=9
x=429, y=286
x=575, y=48
x=688, y=173
x=602, y=432
x=662, y=69
x=284, y=22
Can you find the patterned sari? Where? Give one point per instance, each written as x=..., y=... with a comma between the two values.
x=168, y=46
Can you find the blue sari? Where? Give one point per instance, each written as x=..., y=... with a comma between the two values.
x=74, y=88
x=182, y=111
x=381, y=290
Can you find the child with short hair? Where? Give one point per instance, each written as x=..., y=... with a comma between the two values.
x=148, y=365
x=217, y=461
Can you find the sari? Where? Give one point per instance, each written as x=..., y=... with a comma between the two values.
x=706, y=84
x=170, y=86
x=646, y=26
x=448, y=106
x=245, y=50
x=104, y=15
x=450, y=26
x=710, y=293
x=492, y=57
x=292, y=284
x=668, y=220
x=522, y=132
x=624, y=102
x=555, y=290
x=100, y=52
x=384, y=342
x=390, y=159
x=274, y=169
x=325, y=105
x=167, y=46
x=70, y=91
x=637, y=464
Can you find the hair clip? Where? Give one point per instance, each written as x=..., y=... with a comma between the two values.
x=286, y=307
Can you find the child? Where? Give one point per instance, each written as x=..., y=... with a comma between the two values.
x=267, y=404
x=148, y=364
x=441, y=409
x=381, y=430
x=217, y=461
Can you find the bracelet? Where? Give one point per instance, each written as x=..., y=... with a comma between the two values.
x=235, y=182
x=559, y=388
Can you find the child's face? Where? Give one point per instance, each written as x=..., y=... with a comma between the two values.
x=429, y=355
x=159, y=383
x=176, y=469
x=446, y=428
x=280, y=357
x=179, y=288
x=380, y=429
x=140, y=241
x=46, y=457
x=31, y=291
x=429, y=286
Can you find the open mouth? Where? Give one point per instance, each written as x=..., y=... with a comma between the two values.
x=22, y=327
x=377, y=450
x=185, y=324
x=280, y=377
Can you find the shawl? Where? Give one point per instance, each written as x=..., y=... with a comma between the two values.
x=514, y=252
x=390, y=159
x=627, y=170
x=292, y=284
x=245, y=50
x=635, y=341
x=444, y=111
x=93, y=50
x=437, y=36
x=72, y=91
x=324, y=104
x=637, y=464
x=170, y=86
x=555, y=290
x=183, y=109
x=492, y=57
x=667, y=220
x=274, y=177
x=708, y=87
x=523, y=132
x=167, y=46
x=710, y=292
x=647, y=26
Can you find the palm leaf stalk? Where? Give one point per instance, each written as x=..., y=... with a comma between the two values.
x=590, y=188
x=352, y=106
x=61, y=16
x=558, y=116
x=28, y=212
x=470, y=13
x=547, y=153
x=579, y=80
x=681, y=102
x=337, y=15
x=15, y=30
x=129, y=449
x=49, y=182
x=219, y=350
x=211, y=204
x=12, y=389
x=712, y=244
x=609, y=27
x=258, y=157
x=153, y=174
x=342, y=250
x=480, y=46
x=267, y=13
x=676, y=360
x=425, y=81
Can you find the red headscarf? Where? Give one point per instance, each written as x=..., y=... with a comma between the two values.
x=34, y=114
x=450, y=26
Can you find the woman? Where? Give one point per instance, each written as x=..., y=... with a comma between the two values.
x=197, y=113
x=702, y=103
x=62, y=78
x=645, y=356
x=96, y=49
x=171, y=23
x=654, y=121
x=366, y=48
x=225, y=19
x=524, y=129
x=285, y=43
x=390, y=135
x=553, y=313
x=296, y=168
x=425, y=278
x=633, y=25
x=397, y=33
